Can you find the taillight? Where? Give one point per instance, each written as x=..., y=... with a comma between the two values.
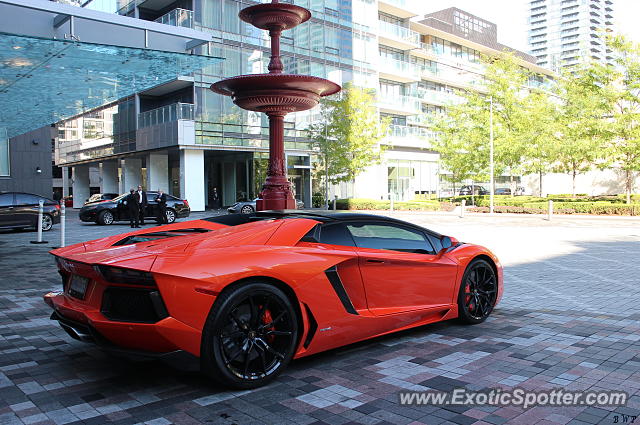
x=57, y=206
x=186, y=203
x=126, y=276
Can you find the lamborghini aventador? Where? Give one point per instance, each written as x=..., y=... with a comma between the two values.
x=247, y=293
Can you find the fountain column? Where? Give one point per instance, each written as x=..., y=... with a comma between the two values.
x=275, y=94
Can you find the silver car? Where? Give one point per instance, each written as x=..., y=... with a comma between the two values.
x=247, y=207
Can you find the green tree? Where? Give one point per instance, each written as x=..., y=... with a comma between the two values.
x=349, y=135
x=623, y=120
x=535, y=129
x=580, y=128
x=463, y=141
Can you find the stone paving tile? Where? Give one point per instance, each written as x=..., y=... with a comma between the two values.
x=569, y=319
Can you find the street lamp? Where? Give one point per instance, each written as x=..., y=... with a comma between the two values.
x=491, y=165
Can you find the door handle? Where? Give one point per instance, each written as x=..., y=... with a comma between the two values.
x=371, y=260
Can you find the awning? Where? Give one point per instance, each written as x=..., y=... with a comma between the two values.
x=57, y=61
x=44, y=81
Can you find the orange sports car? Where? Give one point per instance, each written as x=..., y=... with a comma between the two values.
x=246, y=293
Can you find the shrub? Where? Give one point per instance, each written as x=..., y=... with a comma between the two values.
x=372, y=204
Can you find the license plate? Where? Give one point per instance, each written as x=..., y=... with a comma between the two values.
x=78, y=286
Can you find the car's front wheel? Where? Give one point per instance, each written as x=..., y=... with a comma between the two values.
x=247, y=209
x=105, y=217
x=250, y=336
x=478, y=292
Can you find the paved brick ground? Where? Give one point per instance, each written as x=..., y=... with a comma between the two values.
x=569, y=319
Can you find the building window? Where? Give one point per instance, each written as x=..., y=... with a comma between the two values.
x=4, y=154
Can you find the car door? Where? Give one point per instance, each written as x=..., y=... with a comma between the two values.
x=400, y=269
x=333, y=239
x=26, y=209
x=7, y=216
x=152, y=205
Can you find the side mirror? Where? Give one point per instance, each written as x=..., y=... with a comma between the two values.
x=447, y=242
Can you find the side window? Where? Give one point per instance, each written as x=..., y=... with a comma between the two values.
x=335, y=234
x=389, y=237
x=6, y=200
x=26, y=199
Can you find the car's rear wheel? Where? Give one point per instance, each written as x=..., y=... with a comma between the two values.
x=250, y=336
x=105, y=217
x=47, y=222
x=171, y=216
x=247, y=209
x=478, y=292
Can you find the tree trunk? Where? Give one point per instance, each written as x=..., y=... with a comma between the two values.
x=628, y=185
x=540, y=183
x=511, y=184
x=574, y=184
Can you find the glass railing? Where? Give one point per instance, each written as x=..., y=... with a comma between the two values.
x=401, y=103
x=173, y=112
x=437, y=51
x=439, y=97
x=426, y=119
x=177, y=18
x=408, y=131
x=398, y=67
x=398, y=32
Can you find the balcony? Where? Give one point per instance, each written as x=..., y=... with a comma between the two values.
x=428, y=51
x=439, y=97
x=398, y=104
x=177, y=18
x=393, y=69
x=401, y=8
x=396, y=36
x=403, y=135
x=168, y=113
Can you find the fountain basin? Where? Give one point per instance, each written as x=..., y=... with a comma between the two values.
x=275, y=92
x=271, y=16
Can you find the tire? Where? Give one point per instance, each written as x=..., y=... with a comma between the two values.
x=247, y=209
x=47, y=222
x=478, y=292
x=250, y=336
x=171, y=216
x=105, y=217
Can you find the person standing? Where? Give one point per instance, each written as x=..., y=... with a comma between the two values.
x=57, y=196
x=161, y=199
x=134, y=208
x=142, y=203
x=215, y=198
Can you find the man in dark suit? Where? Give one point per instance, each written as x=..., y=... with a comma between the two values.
x=161, y=199
x=142, y=203
x=134, y=208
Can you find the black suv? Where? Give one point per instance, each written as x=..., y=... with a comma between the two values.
x=109, y=211
x=19, y=210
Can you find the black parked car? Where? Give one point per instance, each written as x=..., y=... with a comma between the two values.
x=101, y=197
x=20, y=210
x=477, y=190
x=107, y=212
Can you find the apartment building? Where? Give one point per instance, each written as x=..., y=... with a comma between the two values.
x=187, y=140
x=424, y=63
x=563, y=32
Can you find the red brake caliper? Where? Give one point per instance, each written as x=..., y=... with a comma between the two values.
x=267, y=318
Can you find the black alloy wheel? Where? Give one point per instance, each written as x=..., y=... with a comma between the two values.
x=250, y=336
x=171, y=216
x=47, y=222
x=478, y=292
x=105, y=217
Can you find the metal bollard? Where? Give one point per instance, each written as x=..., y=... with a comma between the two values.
x=550, y=210
x=462, y=205
x=63, y=217
x=40, y=213
x=335, y=202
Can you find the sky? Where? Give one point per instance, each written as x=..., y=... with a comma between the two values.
x=511, y=16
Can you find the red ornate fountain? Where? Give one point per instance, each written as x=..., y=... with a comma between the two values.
x=276, y=94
